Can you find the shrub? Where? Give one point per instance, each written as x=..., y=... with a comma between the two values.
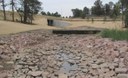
x=126, y=18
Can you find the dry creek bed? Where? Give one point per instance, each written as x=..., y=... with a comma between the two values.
x=41, y=54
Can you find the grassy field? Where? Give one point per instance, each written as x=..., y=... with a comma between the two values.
x=98, y=24
x=115, y=34
x=7, y=27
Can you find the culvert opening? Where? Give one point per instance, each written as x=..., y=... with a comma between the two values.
x=50, y=22
x=57, y=23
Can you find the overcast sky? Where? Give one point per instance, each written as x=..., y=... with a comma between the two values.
x=64, y=6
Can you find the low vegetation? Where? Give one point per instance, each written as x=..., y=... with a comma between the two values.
x=115, y=34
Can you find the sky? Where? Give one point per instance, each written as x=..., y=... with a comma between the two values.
x=64, y=6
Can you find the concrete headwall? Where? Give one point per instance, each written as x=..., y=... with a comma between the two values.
x=58, y=23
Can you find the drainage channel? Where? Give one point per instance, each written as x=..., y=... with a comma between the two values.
x=68, y=64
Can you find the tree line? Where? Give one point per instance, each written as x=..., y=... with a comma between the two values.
x=56, y=14
x=28, y=8
x=98, y=9
x=107, y=10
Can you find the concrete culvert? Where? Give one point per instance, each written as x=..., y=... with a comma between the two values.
x=50, y=22
x=57, y=23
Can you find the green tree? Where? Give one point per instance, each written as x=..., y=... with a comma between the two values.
x=111, y=4
x=92, y=10
x=126, y=18
x=107, y=9
x=124, y=3
x=124, y=8
x=56, y=14
x=98, y=9
x=85, y=12
x=48, y=13
x=43, y=13
x=77, y=12
x=30, y=7
x=115, y=11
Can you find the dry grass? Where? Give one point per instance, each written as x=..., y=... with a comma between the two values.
x=98, y=24
x=9, y=15
x=7, y=27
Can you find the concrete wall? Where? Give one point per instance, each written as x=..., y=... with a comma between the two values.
x=59, y=23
